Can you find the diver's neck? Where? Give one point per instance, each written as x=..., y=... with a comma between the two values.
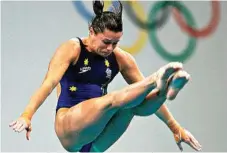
x=88, y=43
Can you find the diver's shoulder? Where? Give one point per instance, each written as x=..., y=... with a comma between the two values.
x=121, y=53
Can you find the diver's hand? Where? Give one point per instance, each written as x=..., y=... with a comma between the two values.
x=21, y=124
x=185, y=136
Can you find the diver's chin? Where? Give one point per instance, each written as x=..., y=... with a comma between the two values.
x=104, y=54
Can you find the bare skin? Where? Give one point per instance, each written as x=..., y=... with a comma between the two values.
x=152, y=104
x=74, y=125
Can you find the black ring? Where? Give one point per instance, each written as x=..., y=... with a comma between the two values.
x=157, y=23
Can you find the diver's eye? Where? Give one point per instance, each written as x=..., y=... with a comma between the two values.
x=115, y=43
x=106, y=42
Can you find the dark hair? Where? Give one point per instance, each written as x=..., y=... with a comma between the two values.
x=107, y=19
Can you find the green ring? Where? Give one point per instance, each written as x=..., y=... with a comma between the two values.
x=186, y=53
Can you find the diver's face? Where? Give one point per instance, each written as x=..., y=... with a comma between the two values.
x=104, y=43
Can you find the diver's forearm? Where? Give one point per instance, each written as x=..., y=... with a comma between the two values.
x=166, y=116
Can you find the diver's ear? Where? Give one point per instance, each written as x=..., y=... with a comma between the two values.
x=91, y=31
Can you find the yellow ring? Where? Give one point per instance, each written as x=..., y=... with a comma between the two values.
x=107, y=5
x=142, y=37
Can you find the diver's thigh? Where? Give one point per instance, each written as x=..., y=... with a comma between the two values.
x=114, y=129
x=84, y=122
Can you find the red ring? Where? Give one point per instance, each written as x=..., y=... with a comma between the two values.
x=199, y=32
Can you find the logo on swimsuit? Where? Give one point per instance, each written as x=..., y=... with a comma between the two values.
x=86, y=62
x=86, y=67
x=107, y=63
x=108, y=73
x=108, y=70
x=72, y=88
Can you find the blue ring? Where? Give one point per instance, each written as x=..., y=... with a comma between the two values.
x=84, y=12
x=79, y=5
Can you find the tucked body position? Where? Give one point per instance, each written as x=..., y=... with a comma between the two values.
x=82, y=68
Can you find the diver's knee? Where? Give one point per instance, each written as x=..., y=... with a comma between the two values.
x=71, y=148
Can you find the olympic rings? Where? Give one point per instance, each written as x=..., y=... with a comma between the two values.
x=204, y=31
x=82, y=10
x=107, y=5
x=79, y=5
x=157, y=23
x=150, y=27
x=155, y=42
x=141, y=38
